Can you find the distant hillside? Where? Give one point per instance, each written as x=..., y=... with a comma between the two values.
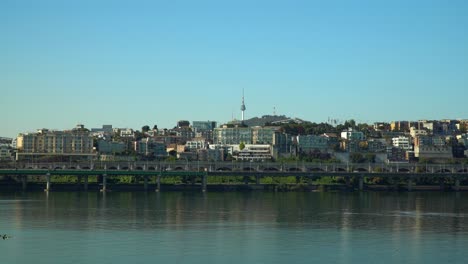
x=261, y=121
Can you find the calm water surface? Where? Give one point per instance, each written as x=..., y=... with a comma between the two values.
x=234, y=227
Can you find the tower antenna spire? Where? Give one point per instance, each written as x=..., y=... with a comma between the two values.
x=243, y=105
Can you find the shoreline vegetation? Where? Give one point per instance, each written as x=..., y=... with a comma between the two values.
x=234, y=183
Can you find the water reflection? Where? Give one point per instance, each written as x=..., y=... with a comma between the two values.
x=415, y=212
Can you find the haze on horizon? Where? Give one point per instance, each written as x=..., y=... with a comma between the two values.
x=135, y=63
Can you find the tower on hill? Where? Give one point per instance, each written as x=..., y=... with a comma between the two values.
x=242, y=106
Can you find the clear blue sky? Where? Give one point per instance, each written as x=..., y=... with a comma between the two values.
x=131, y=63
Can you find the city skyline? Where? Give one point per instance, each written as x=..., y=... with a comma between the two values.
x=131, y=64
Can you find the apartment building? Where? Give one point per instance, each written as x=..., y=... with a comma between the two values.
x=75, y=142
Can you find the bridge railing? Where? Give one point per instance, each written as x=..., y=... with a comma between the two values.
x=185, y=165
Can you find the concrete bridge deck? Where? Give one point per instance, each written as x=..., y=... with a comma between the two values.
x=237, y=166
x=406, y=172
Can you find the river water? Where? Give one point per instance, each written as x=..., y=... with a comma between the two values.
x=252, y=227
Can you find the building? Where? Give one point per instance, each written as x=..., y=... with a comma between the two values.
x=423, y=141
x=310, y=143
x=402, y=142
x=184, y=134
x=183, y=124
x=205, y=134
x=252, y=152
x=233, y=135
x=127, y=133
x=216, y=154
x=77, y=142
x=149, y=147
x=111, y=147
x=352, y=145
x=195, y=144
x=282, y=144
x=414, y=132
x=381, y=126
x=399, y=126
x=463, y=139
x=396, y=154
x=376, y=145
x=204, y=129
x=203, y=125
x=5, y=152
x=432, y=147
x=350, y=134
x=264, y=135
x=5, y=140
x=433, y=152
x=105, y=129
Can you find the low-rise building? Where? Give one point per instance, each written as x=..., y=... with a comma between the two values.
x=232, y=135
x=184, y=134
x=254, y=152
x=309, y=143
x=216, y=154
x=127, y=133
x=5, y=152
x=414, y=132
x=402, y=142
x=203, y=125
x=395, y=154
x=111, y=147
x=463, y=139
x=375, y=145
x=149, y=147
x=264, y=135
x=351, y=134
x=433, y=152
x=195, y=144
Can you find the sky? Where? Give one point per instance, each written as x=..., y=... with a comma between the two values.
x=136, y=63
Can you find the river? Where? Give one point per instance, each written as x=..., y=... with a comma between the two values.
x=234, y=227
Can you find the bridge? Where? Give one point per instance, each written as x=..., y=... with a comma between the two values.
x=236, y=166
x=360, y=171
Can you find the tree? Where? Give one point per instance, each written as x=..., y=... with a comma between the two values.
x=370, y=157
x=155, y=127
x=356, y=157
x=145, y=129
x=242, y=146
x=172, y=153
x=463, y=128
x=138, y=135
x=363, y=145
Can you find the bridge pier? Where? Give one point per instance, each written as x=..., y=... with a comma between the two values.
x=396, y=183
x=24, y=182
x=361, y=183
x=457, y=185
x=246, y=180
x=441, y=184
x=47, y=182
x=158, y=183
x=410, y=185
x=145, y=184
x=204, y=183
x=310, y=180
x=104, y=183
x=78, y=181
x=348, y=181
x=85, y=184
x=257, y=179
